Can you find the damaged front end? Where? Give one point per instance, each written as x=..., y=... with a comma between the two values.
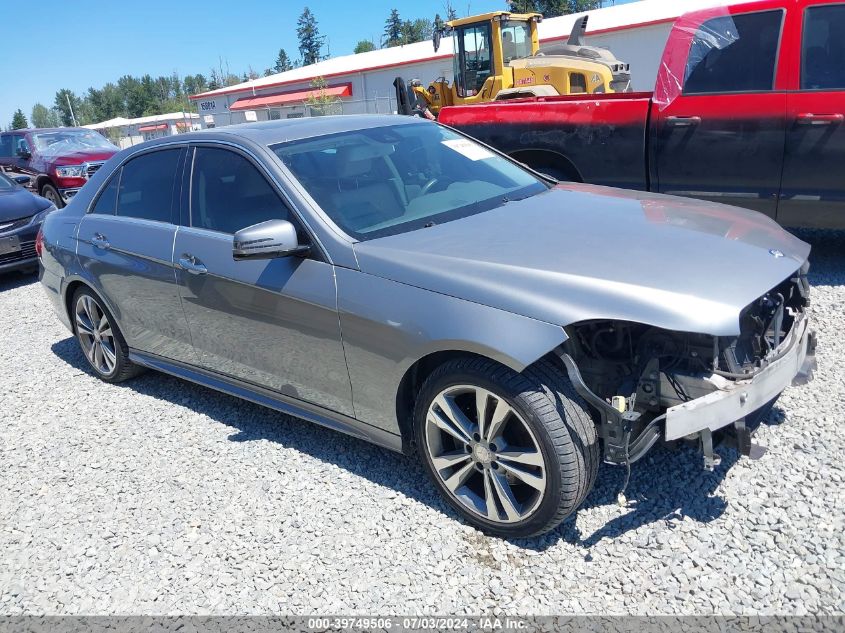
x=648, y=384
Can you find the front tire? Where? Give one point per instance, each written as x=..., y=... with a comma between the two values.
x=100, y=339
x=513, y=453
x=49, y=192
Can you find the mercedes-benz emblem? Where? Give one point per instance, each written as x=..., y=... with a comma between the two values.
x=775, y=252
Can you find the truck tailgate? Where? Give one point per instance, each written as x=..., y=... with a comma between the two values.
x=599, y=138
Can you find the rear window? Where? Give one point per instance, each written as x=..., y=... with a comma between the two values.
x=823, y=48
x=146, y=186
x=734, y=54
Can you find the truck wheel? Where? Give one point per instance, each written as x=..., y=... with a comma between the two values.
x=52, y=194
x=513, y=453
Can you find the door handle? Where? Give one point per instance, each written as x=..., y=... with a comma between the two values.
x=192, y=265
x=808, y=118
x=100, y=241
x=683, y=121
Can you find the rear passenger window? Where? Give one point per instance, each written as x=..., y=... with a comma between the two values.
x=734, y=54
x=146, y=186
x=823, y=48
x=228, y=193
x=107, y=201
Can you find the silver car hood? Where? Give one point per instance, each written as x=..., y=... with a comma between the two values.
x=581, y=252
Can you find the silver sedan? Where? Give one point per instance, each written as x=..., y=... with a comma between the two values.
x=395, y=280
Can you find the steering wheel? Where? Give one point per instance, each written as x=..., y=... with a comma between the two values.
x=427, y=186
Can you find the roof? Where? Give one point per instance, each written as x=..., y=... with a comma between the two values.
x=608, y=19
x=155, y=118
x=284, y=130
x=291, y=96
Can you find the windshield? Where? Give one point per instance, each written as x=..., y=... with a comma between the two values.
x=64, y=141
x=393, y=179
x=5, y=182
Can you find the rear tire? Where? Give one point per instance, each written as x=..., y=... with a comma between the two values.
x=528, y=465
x=100, y=339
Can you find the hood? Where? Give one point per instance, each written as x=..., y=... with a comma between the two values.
x=16, y=203
x=78, y=157
x=580, y=252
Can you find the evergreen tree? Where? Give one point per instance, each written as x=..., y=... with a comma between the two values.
x=416, y=31
x=364, y=46
x=393, y=29
x=19, y=121
x=282, y=62
x=67, y=104
x=309, y=38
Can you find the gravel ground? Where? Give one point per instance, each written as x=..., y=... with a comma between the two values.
x=161, y=497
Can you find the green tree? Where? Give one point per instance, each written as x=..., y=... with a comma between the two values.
x=554, y=8
x=393, y=29
x=282, y=62
x=309, y=38
x=41, y=116
x=19, y=121
x=323, y=103
x=364, y=46
x=416, y=30
x=522, y=6
x=67, y=103
x=451, y=14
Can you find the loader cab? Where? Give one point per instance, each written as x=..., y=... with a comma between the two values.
x=483, y=47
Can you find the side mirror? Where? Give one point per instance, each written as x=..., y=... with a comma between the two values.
x=23, y=181
x=267, y=240
x=24, y=154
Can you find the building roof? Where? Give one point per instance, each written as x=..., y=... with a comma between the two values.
x=608, y=19
x=155, y=118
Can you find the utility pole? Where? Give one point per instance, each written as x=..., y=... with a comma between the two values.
x=72, y=115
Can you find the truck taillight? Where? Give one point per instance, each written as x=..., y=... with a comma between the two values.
x=39, y=243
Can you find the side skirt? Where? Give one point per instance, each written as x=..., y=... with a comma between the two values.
x=267, y=398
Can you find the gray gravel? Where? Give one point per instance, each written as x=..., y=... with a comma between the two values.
x=160, y=497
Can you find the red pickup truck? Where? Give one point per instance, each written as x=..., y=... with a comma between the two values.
x=748, y=109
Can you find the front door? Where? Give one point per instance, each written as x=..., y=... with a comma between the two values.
x=722, y=138
x=813, y=190
x=125, y=244
x=272, y=323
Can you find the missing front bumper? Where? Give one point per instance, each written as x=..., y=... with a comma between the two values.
x=725, y=407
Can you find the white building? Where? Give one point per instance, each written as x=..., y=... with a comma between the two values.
x=635, y=32
x=128, y=132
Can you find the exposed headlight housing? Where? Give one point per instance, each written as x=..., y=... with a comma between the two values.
x=71, y=171
x=38, y=218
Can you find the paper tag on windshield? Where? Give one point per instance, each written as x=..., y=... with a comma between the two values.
x=471, y=150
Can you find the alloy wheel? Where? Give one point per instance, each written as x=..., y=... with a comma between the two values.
x=485, y=454
x=95, y=335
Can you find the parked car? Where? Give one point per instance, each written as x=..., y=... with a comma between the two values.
x=58, y=161
x=392, y=279
x=748, y=109
x=21, y=214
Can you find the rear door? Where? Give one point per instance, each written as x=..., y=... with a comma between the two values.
x=813, y=190
x=722, y=138
x=125, y=244
x=273, y=322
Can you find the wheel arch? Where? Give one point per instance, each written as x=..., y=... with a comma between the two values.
x=43, y=179
x=70, y=289
x=537, y=159
x=416, y=374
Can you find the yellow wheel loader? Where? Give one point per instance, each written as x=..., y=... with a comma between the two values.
x=498, y=56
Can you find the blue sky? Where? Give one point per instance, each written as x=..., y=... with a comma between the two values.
x=98, y=41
